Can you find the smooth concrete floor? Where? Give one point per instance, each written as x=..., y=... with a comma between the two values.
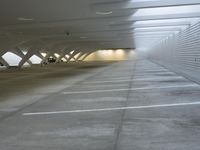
x=73, y=108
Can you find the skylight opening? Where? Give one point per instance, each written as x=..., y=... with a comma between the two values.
x=150, y=36
x=156, y=32
x=35, y=59
x=181, y=20
x=168, y=10
x=12, y=59
x=169, y=28
x=141, y=0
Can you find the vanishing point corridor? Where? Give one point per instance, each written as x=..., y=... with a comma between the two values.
x=118, y=106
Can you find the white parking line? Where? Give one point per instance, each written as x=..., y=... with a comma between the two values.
x=137, y=79
x=106, y=85
x=95, y=91
x=111, y=109
x=158, y=78
x=109, y=78
x=110, y=81
x=131, y=89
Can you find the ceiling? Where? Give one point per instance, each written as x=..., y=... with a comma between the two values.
x=92, y=24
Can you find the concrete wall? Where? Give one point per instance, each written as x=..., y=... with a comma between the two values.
x=180, y=52
x=110, y=55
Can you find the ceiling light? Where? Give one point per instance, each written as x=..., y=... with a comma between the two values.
x=83, y=37
x=25, y=19
x=104, y=13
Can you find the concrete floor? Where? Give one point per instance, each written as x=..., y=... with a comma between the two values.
x=113, y=106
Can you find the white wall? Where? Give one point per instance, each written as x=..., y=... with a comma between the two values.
x=180, y=52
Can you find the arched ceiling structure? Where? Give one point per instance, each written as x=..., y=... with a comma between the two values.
x=85, y=25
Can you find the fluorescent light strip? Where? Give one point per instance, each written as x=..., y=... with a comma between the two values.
x=25, y=19
x=104, y=13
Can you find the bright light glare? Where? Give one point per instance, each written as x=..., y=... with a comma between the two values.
x=12, y=59
x=67, y=56
x=43, y=54
x=57, y=55
x=109, y=52
x=24, y=52
x=105, y=52
x=71, y=52
x=63, y=59
x=119, y=52
x=35, y=59
x=106, y=55
x=168, y=10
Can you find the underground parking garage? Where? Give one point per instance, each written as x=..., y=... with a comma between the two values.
x=99, y=75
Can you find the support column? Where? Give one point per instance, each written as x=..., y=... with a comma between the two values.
x=72, y=55
x=46, y=57
x=4, y=62
x=79, y=56
x=62, y=55
x=18, y=52
x=2, y=52
x=86, y=56
x=29, y=54
x=67, y=53
x=37, y=53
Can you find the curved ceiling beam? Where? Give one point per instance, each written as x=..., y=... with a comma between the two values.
x=4, y=62
x=125, y=26
x=167, y=16
x=110, y=6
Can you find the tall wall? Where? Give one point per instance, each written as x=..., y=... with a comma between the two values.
x=180, y=52
x=111, y=55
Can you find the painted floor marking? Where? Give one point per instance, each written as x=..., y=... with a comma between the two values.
x=137, y=79
x=158, y=78
x=110, y=81
x=111, y=109
x=132, y=89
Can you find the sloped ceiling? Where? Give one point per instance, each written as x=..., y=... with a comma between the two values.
x=80, y=24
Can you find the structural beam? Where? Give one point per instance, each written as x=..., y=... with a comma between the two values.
x=110, y=6
x=28, y=55
x=72, y=55
x=4, y=62
x=18, y=52
x=86, y=55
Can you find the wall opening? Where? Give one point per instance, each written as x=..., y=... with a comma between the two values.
x=11, y=59
x=35, y=59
